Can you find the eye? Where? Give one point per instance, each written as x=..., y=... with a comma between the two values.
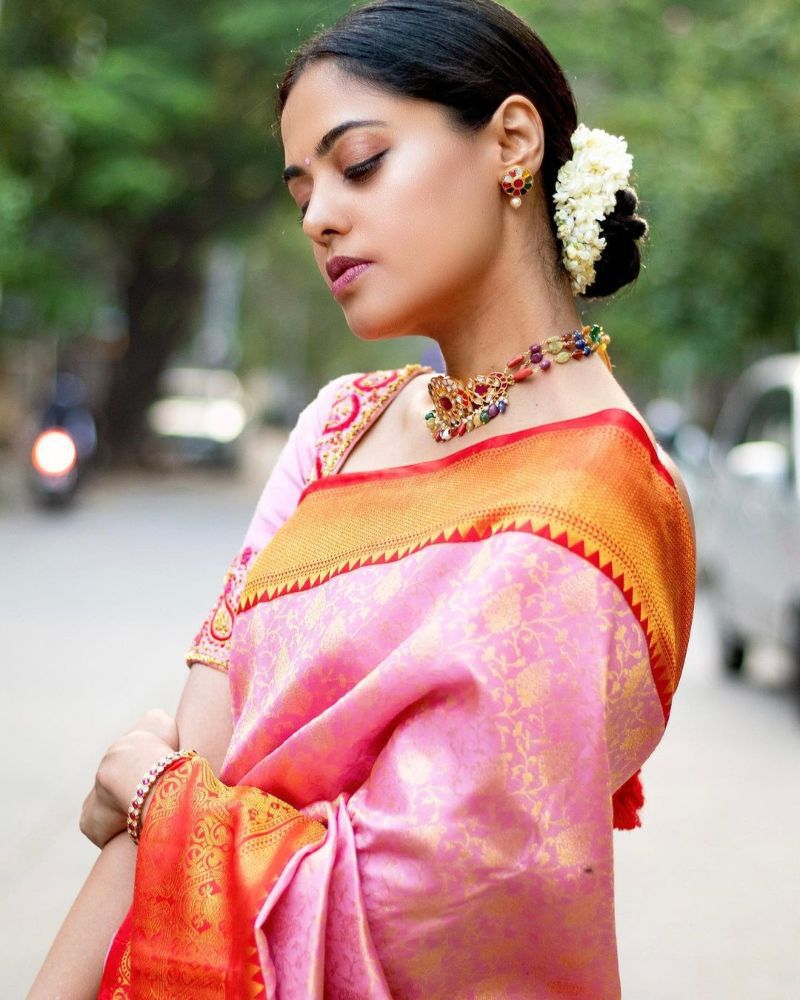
x=365, y=167
x=357, y=172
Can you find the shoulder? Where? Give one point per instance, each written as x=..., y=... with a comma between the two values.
x=669, y=464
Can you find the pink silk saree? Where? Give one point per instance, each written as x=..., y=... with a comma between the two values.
x=448, y=669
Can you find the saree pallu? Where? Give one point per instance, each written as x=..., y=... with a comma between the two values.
x=451, y=667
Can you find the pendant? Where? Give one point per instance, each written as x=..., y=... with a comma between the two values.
x=464, y=406
x=460, y=407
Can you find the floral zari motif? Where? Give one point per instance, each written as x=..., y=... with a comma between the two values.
x=207, y=859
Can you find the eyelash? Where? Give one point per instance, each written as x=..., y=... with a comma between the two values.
x=355, y=173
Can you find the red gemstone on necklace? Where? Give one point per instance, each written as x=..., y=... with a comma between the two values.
x=446, y=403
x=481, y=389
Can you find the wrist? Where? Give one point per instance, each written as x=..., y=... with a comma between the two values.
x=142, y=796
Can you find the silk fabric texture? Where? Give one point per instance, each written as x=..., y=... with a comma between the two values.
x=441, y=672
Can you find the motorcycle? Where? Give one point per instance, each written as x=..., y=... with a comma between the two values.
x=64, y=444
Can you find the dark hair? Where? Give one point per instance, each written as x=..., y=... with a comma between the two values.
x=469, y=55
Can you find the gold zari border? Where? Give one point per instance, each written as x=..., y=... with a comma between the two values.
x=598, y=490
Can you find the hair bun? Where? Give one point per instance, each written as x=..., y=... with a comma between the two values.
x=620, y=261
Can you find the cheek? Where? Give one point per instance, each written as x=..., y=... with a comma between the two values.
x=435, y=228
x=444, y=226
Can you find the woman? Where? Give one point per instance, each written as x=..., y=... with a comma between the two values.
x=457, y=619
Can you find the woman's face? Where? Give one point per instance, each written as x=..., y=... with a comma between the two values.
x=425, y=208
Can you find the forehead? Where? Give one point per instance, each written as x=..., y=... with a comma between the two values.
x=322, y=97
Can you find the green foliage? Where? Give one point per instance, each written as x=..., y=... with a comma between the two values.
x=707, y=98
x=123, y=123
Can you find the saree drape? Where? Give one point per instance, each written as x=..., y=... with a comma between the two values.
x=448, y=668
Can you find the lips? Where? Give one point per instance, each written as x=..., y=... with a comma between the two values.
x=336, y=266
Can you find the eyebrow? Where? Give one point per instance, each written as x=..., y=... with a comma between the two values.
x=326, y=143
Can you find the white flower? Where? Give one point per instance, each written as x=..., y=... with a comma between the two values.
x=586, y=190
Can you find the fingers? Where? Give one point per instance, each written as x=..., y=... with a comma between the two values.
x=124, y=763
x=104, y=810
x=98, y=823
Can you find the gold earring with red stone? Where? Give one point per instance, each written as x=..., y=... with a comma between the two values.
x=516, y=182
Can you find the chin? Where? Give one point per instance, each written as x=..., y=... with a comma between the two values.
x=408, y=311
x=377, y=324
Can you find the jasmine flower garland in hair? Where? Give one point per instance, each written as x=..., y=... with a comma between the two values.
x=586, y=189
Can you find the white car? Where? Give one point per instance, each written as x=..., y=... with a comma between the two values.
x=200, y=415
x=748, y=511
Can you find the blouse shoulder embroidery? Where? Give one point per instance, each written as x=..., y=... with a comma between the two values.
x=356, y=404
x=212, y=642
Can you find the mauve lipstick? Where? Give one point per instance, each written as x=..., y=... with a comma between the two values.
x=344, y=270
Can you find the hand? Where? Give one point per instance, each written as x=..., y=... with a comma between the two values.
x=105, y=808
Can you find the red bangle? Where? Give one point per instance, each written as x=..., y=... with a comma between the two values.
x=145, y=786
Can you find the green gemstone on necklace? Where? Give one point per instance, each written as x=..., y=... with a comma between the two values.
x=484, y=416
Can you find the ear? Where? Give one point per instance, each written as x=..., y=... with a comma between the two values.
x=518, y=134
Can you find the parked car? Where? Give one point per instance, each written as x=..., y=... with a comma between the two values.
x=199, y=416
x=748, y=511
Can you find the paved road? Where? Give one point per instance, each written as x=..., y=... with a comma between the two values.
x=97, y=608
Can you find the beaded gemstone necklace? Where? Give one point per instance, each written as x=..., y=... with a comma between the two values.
x=462, y=406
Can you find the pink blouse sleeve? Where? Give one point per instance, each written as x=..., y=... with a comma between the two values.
x=276, y=503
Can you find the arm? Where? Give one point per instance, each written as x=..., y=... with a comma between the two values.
x=74, y=963
x=73, y=967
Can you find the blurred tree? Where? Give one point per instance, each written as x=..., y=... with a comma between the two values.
x=135, y=133
x=706, y=95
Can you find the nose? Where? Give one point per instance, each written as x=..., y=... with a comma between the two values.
x=325, y=216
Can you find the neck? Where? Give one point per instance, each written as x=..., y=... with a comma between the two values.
x=484, y=332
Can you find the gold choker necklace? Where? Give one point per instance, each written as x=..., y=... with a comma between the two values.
x=461, y=406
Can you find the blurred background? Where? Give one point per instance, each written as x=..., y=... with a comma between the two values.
x=162, y=324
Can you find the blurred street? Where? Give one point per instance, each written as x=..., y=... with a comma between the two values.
x=99, y=604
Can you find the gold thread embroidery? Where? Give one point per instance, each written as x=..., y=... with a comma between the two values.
x=210, y=645
x=632, y=526
x=334, y=444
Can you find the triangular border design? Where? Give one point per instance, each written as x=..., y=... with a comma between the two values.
x=560, y=534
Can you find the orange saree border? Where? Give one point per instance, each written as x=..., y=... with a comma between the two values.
x=209, y=855
x=592, y=484
x=610, y=415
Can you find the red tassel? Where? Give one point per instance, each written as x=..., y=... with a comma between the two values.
x=627, y=801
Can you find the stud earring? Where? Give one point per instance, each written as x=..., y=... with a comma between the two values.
x=516, y=182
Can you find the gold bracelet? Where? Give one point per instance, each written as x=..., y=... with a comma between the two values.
x=145, y=786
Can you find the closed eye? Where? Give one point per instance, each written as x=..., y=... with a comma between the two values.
x=365, y=167
x=358, y=172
